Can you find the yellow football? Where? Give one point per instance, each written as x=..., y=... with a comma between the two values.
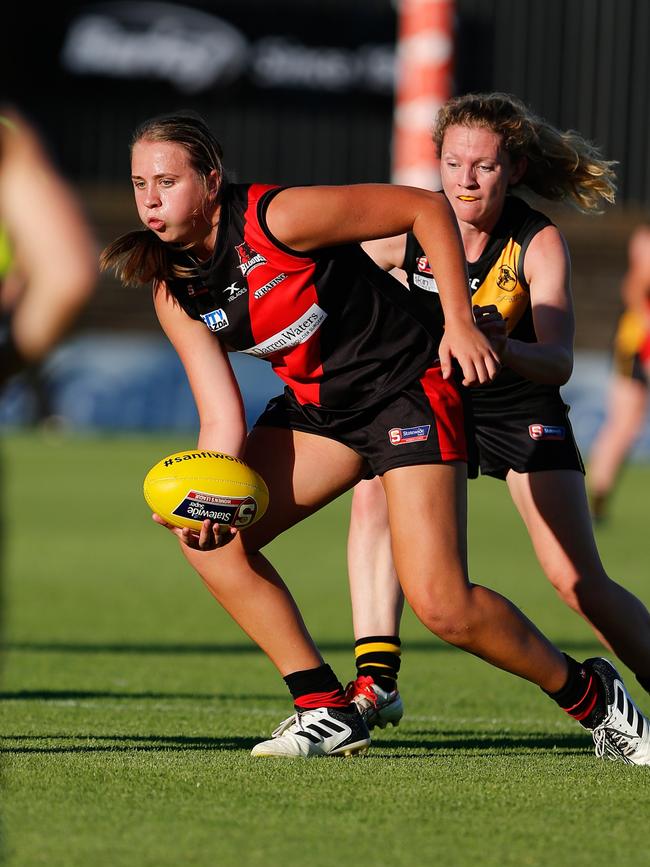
x=187, y=487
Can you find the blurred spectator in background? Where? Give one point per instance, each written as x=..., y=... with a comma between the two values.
x=628, y=390
x=47, y=253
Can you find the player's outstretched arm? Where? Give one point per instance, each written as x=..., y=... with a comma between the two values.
x=217, y=396
x=306, y=218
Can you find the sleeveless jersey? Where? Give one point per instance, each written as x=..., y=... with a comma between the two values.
x=497, y=277
x=338, y=330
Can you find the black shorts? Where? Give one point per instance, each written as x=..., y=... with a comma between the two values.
x=422, y=424
x=527, y=436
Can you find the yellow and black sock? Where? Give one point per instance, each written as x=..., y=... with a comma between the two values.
x=378, y=656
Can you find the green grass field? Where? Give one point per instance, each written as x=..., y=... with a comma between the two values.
x=130, y=701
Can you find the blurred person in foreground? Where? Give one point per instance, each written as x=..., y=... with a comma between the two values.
x=48, y=258
x=491, y=145
x=628, y=389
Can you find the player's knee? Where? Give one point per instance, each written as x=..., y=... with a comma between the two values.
x=220, y=568
x=369, y=505
x=449, y=620
x=576, y=589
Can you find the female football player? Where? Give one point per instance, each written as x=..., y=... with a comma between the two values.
x=519, y=279
x=279, y=274
x=628, y=390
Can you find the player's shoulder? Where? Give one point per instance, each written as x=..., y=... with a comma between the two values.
x=523, y=218
x=639, y=248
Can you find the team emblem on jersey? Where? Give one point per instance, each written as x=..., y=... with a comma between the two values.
x=506, y=278
x=234, y=291
x=249, y=259
x=399, y=436
x=546, y=432
x=423, y=265
x=215, y=319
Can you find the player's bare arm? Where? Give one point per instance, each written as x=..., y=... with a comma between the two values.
x=388, y=253
x=548, y=272
x=306, y=218
x=217, y=396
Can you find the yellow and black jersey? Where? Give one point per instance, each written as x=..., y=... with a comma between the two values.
x=496, y=277
x=630, y=344
x=513, y=423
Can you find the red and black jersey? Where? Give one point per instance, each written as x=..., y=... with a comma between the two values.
x=496, y=277
x=340, y=332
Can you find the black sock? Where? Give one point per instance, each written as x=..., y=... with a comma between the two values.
x=316, y=687
x=378, y=656
x=582, y=696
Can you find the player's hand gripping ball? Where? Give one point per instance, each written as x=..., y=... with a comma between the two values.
x=187, y=487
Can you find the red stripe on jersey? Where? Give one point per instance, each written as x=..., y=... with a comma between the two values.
x=301, y=367
x=644, y=351
x=445, y=401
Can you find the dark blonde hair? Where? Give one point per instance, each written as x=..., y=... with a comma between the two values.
x=140, y=257
x=561, y=166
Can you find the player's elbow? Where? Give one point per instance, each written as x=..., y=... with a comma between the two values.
x=564, y=367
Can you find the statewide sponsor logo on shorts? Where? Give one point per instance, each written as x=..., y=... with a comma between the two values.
x=293, y=335
x=546, y=432
x=215, y=319
x=427, y=284
x=422, y=264
x=234, y=511
x=249, y=259
x=259, y=293
x=398, y=436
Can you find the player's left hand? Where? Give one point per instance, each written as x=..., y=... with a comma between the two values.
x=472, y=350
x=492, y=324
x=210, y=537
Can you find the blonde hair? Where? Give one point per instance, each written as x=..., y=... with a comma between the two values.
x=561, y=166
x=140, y=257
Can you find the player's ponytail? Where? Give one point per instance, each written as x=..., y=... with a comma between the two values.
x=138, y=258
x=561, y=166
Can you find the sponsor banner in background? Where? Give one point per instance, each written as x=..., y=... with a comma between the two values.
x=196, y=50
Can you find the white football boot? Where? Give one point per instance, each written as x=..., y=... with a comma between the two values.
x=624, y=734
x=323, y=731
x=377, y=706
